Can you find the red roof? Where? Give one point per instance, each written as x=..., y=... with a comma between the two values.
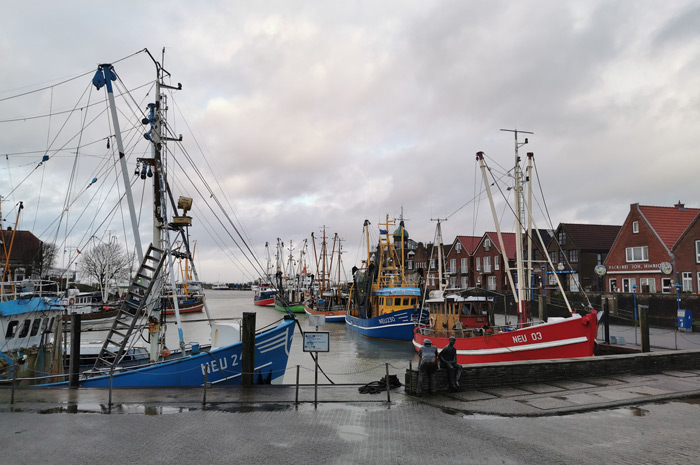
x=669, y=222
x=469, y=243
x=508, y=242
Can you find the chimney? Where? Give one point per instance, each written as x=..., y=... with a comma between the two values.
x=680, y=206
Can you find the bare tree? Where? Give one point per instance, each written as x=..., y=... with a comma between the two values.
x=45, y=259
x=107, y=262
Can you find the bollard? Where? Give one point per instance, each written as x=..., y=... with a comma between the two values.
x=296, y=397
x=316, y=382
x=206, y=374
x=644, y=326
x=388, y=391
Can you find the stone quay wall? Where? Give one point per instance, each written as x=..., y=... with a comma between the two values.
x=543, y=371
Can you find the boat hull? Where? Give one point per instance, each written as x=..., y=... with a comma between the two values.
x=295, y=308
x=560, y=338
x=332, y=316
x=395, y=326
x=222, y=365
x=186, y=307
x=264, y=302
x=264, y=297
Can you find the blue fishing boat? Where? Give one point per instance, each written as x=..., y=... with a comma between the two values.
x=29, y=314
x=382, y=303
x=153, y=290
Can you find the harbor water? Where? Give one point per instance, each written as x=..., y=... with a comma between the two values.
x=352, y=358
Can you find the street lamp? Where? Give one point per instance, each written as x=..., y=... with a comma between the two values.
x=634, y=291
x=678, y=295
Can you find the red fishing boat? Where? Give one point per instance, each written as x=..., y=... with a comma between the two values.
x=469, y=317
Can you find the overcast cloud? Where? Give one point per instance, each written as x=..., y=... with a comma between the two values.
x=329, y=113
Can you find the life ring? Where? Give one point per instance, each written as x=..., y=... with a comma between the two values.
x=71, y=301
x=432, y=321
x=307, y=294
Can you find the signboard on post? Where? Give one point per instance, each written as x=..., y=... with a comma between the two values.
x=316, y=341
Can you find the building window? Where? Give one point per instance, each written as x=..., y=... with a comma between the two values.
x=697, y=251
x=637, y=254
x=573, y=282
x=409, y=264
x=453, y=265
x=492, y=283
x=628, y=284
x=648, y=285
x=464, y=282
x=666, y=285
x=458, y=247
x=478, y=264
x=487, y=244
x=553, y=256
x=613, y=285
x=433, y=264
x=496, y=263
x=573, y=255
x=464, y=265
x=487, y=264
x=453, y=281
x=687, y=281
x=561, y=237
x=635, y=227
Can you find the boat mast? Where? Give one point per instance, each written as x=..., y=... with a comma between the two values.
x=529, y=273
x=519, y=223
x=438, y=243
x=504, y=254
x=104, y=76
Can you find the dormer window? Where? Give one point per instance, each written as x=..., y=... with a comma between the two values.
x=635, y=227
x=487, y=244
x=561, y=238
x=459, y=247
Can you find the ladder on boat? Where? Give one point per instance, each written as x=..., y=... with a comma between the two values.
x=134, y=303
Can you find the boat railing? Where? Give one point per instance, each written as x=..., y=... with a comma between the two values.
x=13, y=290
x=482, y=331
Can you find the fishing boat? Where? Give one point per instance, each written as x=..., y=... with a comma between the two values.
x=263, y=292
x=381, y=305
x=468, y=317
x=293, y=281
x=325, y=297
x=30, y=314
x=143, y=308
x=264, y=295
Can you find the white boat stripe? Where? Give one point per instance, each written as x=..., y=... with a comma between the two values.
x=524, y=347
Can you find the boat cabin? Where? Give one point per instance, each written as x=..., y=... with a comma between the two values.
x=456, y=312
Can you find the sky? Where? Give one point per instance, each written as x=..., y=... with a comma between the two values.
x=304, y=114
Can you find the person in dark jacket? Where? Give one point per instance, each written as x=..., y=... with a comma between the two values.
x=427, y=364
x=448, y=360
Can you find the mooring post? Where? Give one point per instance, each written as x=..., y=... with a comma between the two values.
x=410, y=387
x=606, y=320
x=296, y=397
x=74, y=376
x=388, y=391
x=316, y=382
x=644, y=326
x=248, y=349
x=206, y=374
x=111, y=379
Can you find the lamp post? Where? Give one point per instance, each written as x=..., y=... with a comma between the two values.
x=634, y=295
x=544, y=280
x=678, y=296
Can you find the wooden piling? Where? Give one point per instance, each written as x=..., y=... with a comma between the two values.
x=248, y=349
x=74, y=377
x=644, y=326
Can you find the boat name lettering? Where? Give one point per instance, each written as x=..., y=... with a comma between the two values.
x=520, y=338
x=536, y=336
x=384, y=321
x=219, y=364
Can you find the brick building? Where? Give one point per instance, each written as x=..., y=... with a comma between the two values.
x=24, y=255
x=460, y=260
x=488, y=270
x=576, y=250
x=655, y=248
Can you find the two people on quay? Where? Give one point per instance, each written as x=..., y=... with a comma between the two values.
x=428, y=364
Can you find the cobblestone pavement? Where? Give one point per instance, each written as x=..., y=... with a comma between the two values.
x=618, y=419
